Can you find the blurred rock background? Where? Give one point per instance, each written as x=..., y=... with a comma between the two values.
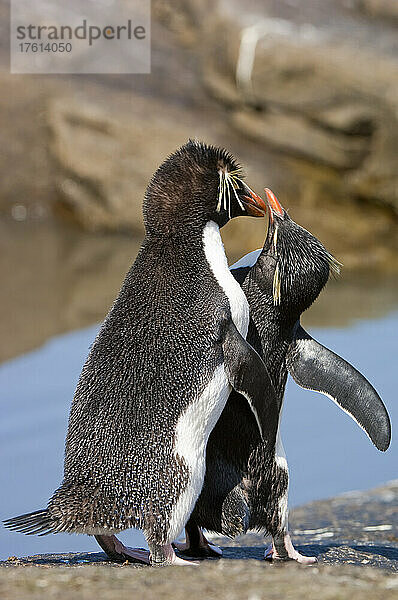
x=304, y=93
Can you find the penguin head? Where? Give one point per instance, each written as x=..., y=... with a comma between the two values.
x=296, y=261
x=196, y=184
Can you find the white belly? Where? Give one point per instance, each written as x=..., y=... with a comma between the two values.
x=192, y=433
x=196, y=423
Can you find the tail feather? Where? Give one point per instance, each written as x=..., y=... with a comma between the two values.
x=34, y=523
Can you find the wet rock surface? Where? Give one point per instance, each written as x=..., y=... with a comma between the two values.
x=295, y=77
x=315, y=127
x=358, y=528
x=103, y=164
x=387, y=9
x=354, y=536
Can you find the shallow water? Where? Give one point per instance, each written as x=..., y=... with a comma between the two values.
x=327, y=452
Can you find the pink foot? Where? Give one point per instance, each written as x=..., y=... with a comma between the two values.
x=132, y=554
x=159, y=556
x=166, y=556
x=118, y=552
x=284, y=550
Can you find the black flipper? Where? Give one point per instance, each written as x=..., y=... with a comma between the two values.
x=314, y=367
x=248, y=375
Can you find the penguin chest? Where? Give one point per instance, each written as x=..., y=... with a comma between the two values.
x=215, y=256
x=191, y=435
x=198, y=420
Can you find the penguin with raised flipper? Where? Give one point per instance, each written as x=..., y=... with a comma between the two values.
x=161, y=369
x=246, y=486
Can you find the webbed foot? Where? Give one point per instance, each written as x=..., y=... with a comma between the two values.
x=118, y=552
x=163, y=556
x=282, y=549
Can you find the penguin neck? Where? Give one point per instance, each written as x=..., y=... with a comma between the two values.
x=172, y=219
x=271, y=328
x=217, y=261
x=180, y=236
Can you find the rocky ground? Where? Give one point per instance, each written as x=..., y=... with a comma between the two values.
x=355, y=537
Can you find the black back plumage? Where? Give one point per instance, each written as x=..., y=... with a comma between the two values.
x=141, y=374
x=155, y=352
x=143, y=369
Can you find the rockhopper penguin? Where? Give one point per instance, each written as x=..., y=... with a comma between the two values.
x=161, y=369
x=246, y=483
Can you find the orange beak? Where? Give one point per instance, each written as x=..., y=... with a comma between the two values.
x=254, y=204
x=273, y=202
